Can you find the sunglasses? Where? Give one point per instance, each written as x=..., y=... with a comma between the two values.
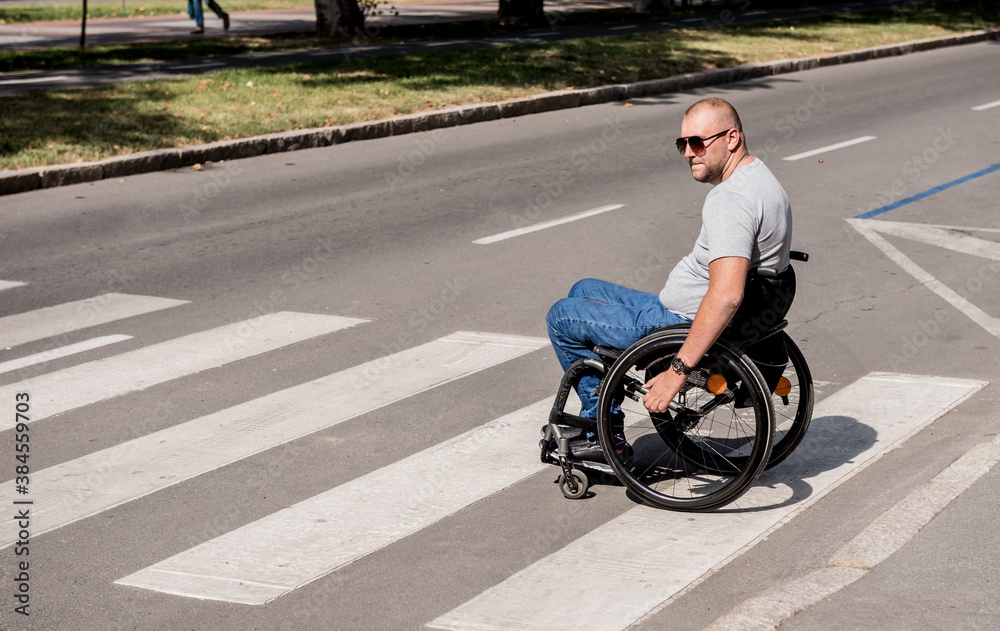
x=697, y=142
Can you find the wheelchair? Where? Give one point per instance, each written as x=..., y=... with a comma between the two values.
x=745, y=407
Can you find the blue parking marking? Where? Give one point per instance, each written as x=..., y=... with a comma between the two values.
x=927, y=193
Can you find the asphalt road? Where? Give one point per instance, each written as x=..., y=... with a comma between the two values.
x=383, y=231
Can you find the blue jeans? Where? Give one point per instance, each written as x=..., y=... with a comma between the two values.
x=199, y=14
x=599, y=313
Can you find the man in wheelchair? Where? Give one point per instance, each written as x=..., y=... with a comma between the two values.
x=746, y=225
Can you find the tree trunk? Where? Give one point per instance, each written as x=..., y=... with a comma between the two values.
x=339, y=18
x=83, y=29
x=523, y=13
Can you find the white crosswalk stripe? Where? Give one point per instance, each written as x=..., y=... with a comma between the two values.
x=635, y=563
x=95, y=381
x=61, y=351
x=79, y=314
x=88, y=485
x=251, y=566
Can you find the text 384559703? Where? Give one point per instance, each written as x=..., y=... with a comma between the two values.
x=22, y=507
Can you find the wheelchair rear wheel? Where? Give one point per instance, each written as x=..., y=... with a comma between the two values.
x=792, y=400
x=793, y=404
x=705, y=454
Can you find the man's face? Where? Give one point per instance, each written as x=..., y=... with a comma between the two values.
x=708, y=164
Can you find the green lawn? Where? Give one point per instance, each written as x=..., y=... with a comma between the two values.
x=82, y=125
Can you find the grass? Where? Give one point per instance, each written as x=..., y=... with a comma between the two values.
x=82, y=125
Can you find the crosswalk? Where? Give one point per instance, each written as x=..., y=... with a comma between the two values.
x=635, y=563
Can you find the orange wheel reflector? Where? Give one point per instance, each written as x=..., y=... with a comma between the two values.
x=716, y=384
x=783, y=388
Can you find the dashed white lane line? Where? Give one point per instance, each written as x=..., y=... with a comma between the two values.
x=10, y=284
x=882, y=538
x=79, y=314
x=85, y=486
x=828, y=148
x=636, y=564
x=623, y=28
x=546, y=224
x=986, y=106
x=62, y=351
x=283, y=551
x=95, y=381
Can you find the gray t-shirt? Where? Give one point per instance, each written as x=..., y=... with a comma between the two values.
x=748, y=215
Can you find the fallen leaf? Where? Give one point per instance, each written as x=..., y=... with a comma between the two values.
x=628, y=105
x=198, y=167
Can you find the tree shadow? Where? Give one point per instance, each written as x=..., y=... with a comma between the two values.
x=49, y=127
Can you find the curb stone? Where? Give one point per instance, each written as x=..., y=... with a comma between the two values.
x=25, y=180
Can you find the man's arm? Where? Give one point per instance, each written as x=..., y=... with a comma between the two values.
x=726, y=278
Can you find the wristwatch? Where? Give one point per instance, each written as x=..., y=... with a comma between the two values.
x=680, y=367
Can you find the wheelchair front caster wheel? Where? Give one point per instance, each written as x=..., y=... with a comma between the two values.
x=575, y=486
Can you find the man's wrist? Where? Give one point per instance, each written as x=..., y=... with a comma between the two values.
x=680, y=366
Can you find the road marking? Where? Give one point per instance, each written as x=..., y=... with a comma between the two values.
x=91, y=484
x=80, y=314
x=10, y=284
x=62, y=351
x=869, y=228
x=839, y=145
x=635, y=564
x=876, y=543
x=36, y=80
x=928, y=193
x=546, y=224
x=769, y=610
x=939, y=236
x=95, y=381
x=987, y=106
x=623, y=28
x=447, y=43
x=288, y=549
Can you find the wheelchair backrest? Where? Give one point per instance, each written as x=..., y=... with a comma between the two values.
x=766, y=301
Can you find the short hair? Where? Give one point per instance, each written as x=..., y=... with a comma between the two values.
x=723, y=110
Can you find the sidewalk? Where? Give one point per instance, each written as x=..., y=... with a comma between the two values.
x=28, y=36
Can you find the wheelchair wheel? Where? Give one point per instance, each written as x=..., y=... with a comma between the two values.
x=793, y=404
x=792, y=400
x=700, y=458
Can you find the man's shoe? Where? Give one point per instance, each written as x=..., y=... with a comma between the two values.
x=198, y=31
x=590, y=451
x=225, y=22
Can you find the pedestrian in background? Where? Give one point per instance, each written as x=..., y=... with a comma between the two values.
x=195, y=11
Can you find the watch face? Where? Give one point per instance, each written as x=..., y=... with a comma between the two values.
x=678, y=365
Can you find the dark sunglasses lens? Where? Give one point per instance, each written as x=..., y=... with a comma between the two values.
x=697, y=144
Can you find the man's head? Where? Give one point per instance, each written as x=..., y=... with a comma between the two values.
x=712, y=140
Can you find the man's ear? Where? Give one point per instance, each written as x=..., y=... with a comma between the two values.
x=733, y=142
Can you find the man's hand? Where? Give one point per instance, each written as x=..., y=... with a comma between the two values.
x=662, y=390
